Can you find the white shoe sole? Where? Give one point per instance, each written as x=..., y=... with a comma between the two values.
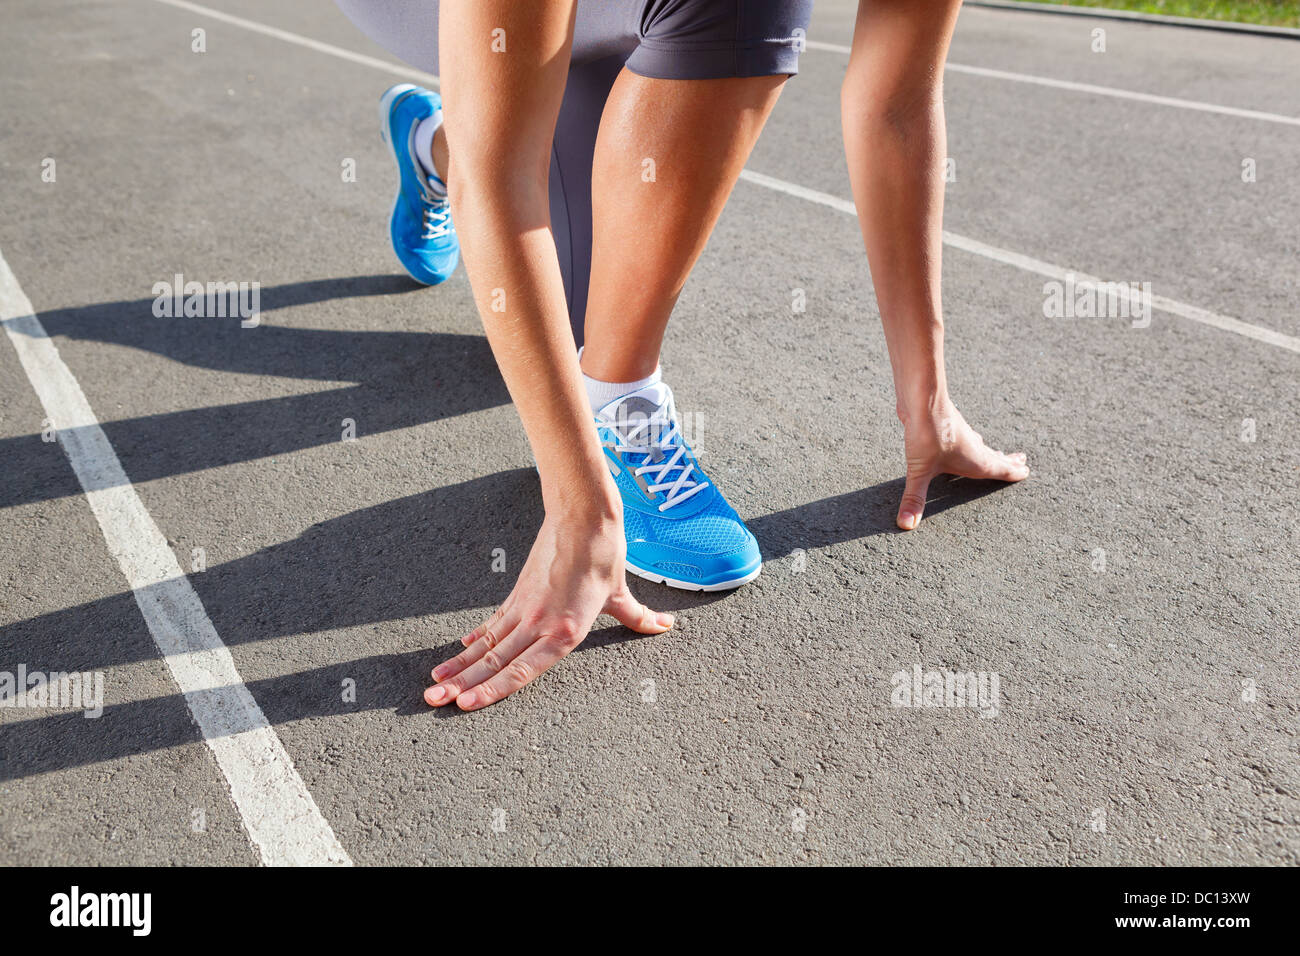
x=687, y=586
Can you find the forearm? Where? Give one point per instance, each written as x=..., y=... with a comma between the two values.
x=500, y=117
x=900, y=210
x=513, y=270
x=892, y=112
x=895, y=143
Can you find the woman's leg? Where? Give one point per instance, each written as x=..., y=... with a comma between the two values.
x=405, y=28
x=675, y=133
x=667, y=157
x=571, y=186
x=892, y=114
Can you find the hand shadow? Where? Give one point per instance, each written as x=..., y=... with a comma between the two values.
x=859, y=514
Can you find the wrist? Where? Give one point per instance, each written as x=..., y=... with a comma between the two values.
x=924, y=401
x=590, y=509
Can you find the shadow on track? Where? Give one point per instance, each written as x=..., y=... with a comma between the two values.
x=421, y=555
x=403, y=558
x=858, y=514
x=402, y=379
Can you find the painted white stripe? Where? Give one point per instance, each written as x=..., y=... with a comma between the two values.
x=297, y=39
x=1029, y=264
x=1126, y=94
x=828, y=47
x=1093, y=88
x=279, y=813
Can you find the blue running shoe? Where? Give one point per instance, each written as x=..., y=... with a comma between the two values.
x=680, y=530
x=420, y=226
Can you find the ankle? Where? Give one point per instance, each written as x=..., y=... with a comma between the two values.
x=433, y=159
x=441, y=156
x=618, y=368
x=921, y=406
x=601, y=391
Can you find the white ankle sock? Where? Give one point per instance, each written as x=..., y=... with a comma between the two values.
x=601, y=393
x=424, y=145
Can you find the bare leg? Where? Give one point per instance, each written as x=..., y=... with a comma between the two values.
x=894, y=136
x=667, y=157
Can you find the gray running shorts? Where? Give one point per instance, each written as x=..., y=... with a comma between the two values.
x=665, y=39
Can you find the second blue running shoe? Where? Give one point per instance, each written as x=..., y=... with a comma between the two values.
x=420, y=227
x=680, y=530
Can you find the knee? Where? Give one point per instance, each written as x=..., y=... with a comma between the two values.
x=896, y=104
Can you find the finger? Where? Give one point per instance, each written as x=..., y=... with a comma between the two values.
x=495, y=628
x=450, y=674
x=482, y=628
x=632, y=613
x=536, y=660
x=1000, y=467
x=492, y=636
x=490, y=661
x=912, y=506
x=479, y=631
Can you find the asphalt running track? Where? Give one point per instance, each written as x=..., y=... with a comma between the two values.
x=1136, y=598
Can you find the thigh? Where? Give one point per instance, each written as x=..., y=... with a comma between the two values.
x=406, y=28
x=409, y=28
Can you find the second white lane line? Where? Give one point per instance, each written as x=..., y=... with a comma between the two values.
x=1046, y=269
x=297, y=39
x=1112, y=91
x=278, y=811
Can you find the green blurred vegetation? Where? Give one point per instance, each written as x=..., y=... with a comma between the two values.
x=1277, y=13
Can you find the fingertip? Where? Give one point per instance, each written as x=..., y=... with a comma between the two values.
x=908, y=520
x=665, y=620
x=435, y=696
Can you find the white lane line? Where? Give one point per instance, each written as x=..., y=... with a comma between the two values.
x=1092, y=88
x=297, y=39
x=279, y=813
x=828, y=47
x=1172, y=306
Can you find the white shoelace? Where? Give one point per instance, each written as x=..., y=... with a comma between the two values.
x=677, y=490
x=437, y=215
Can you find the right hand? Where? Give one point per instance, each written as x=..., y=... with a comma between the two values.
x=939, y=442
x=574, y=572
